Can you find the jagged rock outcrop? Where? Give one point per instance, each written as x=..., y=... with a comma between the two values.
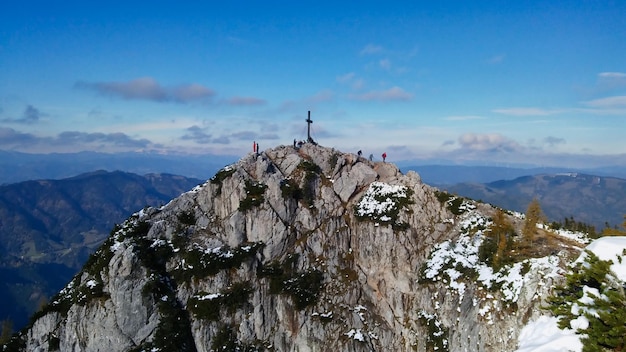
x=305, y=249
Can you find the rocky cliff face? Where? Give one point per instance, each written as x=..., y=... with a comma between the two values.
x=304, y=249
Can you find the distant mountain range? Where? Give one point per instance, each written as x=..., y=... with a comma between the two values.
x=18, y=167
x=591, y=199
x=444, y=175
x=48, y=228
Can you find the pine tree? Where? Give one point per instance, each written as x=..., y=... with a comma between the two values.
x=606, y=312
x=607, y=328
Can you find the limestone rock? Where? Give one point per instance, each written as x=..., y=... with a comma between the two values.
x=273, y=253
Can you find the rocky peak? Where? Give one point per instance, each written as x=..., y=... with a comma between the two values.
x=295, y=249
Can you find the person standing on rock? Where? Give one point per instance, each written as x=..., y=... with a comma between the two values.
x=359, y=153
x=384, y=157
x=371, y=157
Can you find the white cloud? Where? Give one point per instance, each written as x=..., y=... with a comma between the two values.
x=31, y=115
x=616, y=102
x=528, y=111
x=612, y=75
x=385, y=64
x=488, y=142
x=245, y=101
x=553, y=141
x=347, y=78
x=391, y=94
x=464, y=118
x=371, y=49
x=147, y=88
x=321, y=96
x=352, y=80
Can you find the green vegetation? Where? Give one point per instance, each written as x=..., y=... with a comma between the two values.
x=615, y=231
x=140, y=228
x=208, y=307
x=389, y=204
x=54, y=343
x=437, y=337
x=99, y=260
x=187, y=217
x=220, y=176
x=309, y=167
x=173, y=332
x=226, y=340
x=604, y=304
x=303, y=287
x=291, y=190
x=254, y=195
x=452, y=202
x=312, y=172
x=575, y=226
x=152, y=253
x=201, y=263
x=333, y=160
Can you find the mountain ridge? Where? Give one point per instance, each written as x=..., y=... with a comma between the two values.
x=448, y=175
x=18, y=167
x=592, y=199
x=294, y=250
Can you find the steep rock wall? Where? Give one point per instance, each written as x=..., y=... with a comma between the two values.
x=273, y=253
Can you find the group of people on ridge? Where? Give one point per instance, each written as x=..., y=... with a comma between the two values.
x=359, y=153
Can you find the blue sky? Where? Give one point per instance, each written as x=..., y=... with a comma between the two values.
x=491, y=82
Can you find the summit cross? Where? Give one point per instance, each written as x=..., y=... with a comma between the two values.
x=308, y=129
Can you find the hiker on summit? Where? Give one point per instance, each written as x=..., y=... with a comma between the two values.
x=384, y=157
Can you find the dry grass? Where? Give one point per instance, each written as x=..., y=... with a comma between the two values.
x=544, y=244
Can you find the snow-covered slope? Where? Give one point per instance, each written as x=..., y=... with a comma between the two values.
x=543, y=334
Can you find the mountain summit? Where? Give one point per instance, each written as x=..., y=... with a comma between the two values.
x=299, y=249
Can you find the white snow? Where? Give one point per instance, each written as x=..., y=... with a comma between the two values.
x=448, y=257
x=355, y=334
x=210, y=296
x=579, y=237
x=544, y=334
x=115, y=246
x=610, y=248
x=371, y=205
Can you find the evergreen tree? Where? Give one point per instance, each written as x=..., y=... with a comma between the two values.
x=607, y=327
x=615, y=231
x=606, y=312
